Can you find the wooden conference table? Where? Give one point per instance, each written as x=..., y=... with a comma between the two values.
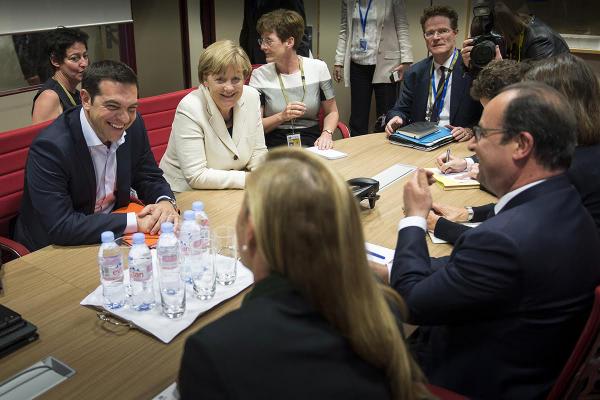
x=46, y=286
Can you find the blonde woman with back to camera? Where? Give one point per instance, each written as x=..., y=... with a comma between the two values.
x=316, y=324
x=217, y=134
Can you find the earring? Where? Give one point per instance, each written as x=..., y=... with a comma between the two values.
x=244, y=247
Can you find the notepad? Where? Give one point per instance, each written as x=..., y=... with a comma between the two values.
x=454, y=181
x=419, y=129
x=328, y=154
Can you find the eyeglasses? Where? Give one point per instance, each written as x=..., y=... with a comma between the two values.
x=440, y=32
x=266, y=41
x=480, y=132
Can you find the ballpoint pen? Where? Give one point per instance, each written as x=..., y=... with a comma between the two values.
x=447, y=155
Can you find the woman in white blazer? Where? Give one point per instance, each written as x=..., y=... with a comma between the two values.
x=217, y=134
x=373, y=43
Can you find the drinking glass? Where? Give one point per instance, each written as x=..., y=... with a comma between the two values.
x=204, y=273
x=225, y=254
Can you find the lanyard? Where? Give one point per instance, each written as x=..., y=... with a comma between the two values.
x=438, y=97
x=301, y=77
x=71, y=99
x=363, y=21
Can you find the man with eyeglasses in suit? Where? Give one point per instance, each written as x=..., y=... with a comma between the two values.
x=436, y=89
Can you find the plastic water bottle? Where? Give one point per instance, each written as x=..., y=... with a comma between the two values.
x=202, y=221
x=172, y=288
x=110, y=261
x=189, y=245
x=140, y=274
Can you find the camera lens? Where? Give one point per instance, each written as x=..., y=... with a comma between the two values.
x=482, y=53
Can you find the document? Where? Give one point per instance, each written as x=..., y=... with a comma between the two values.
x=380, y=255
x=436, y=240
x=330, y=154
x=454, y=181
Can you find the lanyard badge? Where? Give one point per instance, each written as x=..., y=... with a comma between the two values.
x=363, y=24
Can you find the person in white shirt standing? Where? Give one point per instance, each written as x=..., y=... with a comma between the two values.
x=372, y=54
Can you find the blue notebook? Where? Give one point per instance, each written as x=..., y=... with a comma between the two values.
x=427, y=143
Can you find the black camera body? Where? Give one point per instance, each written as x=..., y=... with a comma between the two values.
x=484, y=49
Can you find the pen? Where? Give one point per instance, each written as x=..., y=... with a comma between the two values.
x=447, y=155
x=375, y=254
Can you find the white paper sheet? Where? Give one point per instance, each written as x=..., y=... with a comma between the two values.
x=328, y=154
x=436, y=240
x=155, y=323
x=392, y=174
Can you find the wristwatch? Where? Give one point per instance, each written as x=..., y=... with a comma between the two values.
x=470, y=213
x=328, y=131
x=172, y=201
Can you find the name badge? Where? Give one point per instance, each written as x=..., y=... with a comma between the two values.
x=294, y=140
x=363, y=44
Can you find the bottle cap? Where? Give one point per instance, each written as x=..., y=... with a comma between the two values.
x=139, y=238
x=189, y=215
x=107, y=237
x=166, y=227
x=197, y=206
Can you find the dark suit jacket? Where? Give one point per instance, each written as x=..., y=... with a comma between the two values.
x=501, y=314
x=60, y=185
x=411, y=105
x=276, y=346
x=584, y=174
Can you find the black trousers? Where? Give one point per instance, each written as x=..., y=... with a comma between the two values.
x=361, y=88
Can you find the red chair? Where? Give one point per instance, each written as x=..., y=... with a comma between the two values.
x=340, y=126
x=14, y=147
x=579, y=378
x=158, y=113
x=444, y=394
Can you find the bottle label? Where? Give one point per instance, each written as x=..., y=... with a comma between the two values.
x=140, y=270
x=167, y=261
x=112, y=268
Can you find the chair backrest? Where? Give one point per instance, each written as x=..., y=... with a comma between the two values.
x=580, y=375
x=14, y=147
x=158, y=113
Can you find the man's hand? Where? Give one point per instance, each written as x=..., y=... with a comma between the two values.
x=325, y=141
x=153, y=215
x=338, y=73
x=454, y=164
x=381, y=271
x=417, y=196
x=460, y=134
x=432, y=219
x=402, y=68
x=473, y=173
x=392, y=124
x=451, y=213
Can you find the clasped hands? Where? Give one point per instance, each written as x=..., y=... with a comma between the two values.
x=459, y=133
x=152, y=216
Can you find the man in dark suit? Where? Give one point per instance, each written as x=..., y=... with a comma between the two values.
x=85, y=164
x=437, y=89
x=500, y=316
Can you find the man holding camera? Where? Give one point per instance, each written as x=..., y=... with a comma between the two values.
x=436, y=89
x=498, y=32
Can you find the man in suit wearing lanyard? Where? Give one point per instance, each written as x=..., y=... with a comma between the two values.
x=436, y=89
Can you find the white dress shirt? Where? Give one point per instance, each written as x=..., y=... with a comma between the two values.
x=105, y=167
x=445, y=113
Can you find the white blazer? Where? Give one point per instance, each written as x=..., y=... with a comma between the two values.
x=392, y=25
x=202, y=155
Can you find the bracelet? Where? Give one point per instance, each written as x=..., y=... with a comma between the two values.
x=328, y=131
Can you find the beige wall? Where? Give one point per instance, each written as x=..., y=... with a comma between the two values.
x=159, y=56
